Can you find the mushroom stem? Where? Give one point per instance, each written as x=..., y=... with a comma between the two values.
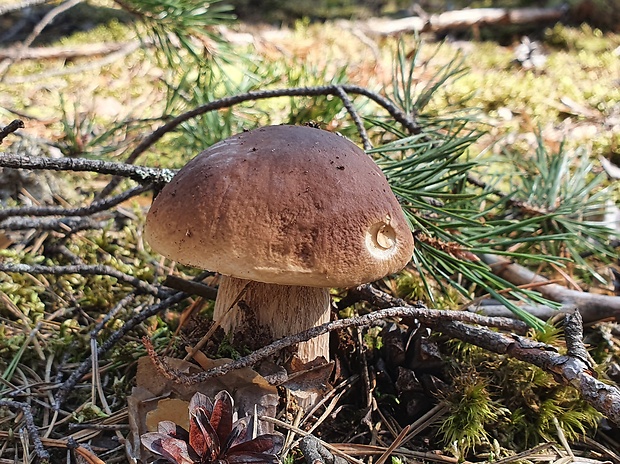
x=275, y=310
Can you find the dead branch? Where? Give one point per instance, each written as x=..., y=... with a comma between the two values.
x=10, y=128
x=140, y=174
x=65, y=225
x=83, y=269
x=31, y=427
x=462, y=19
x=593, y=307
x=191, y=286
x=227, y=102
x=428, y=317
x=95, y=207
x=47, y=19
x=62, y=52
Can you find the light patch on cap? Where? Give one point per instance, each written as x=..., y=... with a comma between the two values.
x=381, y=239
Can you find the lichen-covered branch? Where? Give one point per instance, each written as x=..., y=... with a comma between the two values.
x=31, y=427
x=141, y=174
x=569, y=369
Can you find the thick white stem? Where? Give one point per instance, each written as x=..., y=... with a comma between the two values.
x=278, y=310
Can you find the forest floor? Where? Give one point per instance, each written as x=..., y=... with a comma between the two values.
x=88, y=87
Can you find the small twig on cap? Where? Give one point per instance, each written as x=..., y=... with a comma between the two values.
x=348, y=104
x=10, y=128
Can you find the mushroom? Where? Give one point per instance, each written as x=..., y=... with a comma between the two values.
x=283, y=213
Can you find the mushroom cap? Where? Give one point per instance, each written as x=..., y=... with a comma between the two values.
x=289, y=205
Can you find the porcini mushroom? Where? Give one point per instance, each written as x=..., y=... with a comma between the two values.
x=283, y=213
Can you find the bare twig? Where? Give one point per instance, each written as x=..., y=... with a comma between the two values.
x=429, y=317
x=128, y=326
x=10, y=128
x=348, y=104
x=66, y=224
x=33, y=432
x=83, y=269
x=48, y=18
x=573, y=335
x=141, y=174
x=191, y=287
x=95, y=207
x=228, y=102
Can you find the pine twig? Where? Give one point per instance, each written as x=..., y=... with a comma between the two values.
x=140, y=174
x=84, y=269
x=31, y=427
x=95, y=207
x=10, y=128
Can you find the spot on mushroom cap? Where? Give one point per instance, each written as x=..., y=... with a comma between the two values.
x=289, y=205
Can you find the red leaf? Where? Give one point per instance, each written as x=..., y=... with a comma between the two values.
x=202, y=437
x=222, y=416
x=173, y=449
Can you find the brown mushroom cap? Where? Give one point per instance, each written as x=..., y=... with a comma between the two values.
x=288, y=205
